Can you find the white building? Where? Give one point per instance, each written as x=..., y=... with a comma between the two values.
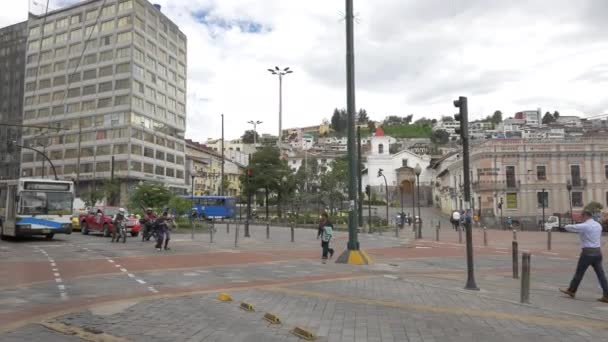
x=572, y=121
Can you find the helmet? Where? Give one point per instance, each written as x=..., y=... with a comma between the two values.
x=148, y=209
x=121, y=210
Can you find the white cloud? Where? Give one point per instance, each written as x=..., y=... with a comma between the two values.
x=411, y=57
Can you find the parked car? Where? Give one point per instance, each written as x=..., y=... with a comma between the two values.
x=102, y=222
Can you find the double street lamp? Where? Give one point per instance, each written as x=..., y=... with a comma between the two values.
x=280, y=73
x=380, y=174
x=569, y=188
x=418, y=171
x=255, y=131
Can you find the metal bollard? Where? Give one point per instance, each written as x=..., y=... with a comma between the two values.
x=211, y=229
x=437, y=228
x=236, y=235
x=525, y=278
x=549, y=239
x=192, y=234
x=515, y=261
x=485, y=236
x=227, y=227
x=292, y=233
x=397, y=230
x=267, y=230
x=459, y=234
x=514, y=235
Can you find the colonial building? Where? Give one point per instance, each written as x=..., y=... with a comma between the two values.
x=527, y=176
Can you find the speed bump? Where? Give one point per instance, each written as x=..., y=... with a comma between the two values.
x=224, y=297
x=303, y=333
x=272, y=318
x=247, y=306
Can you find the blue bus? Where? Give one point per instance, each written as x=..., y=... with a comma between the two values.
x=213, y=206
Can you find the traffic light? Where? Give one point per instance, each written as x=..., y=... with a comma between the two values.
x=462, y=117
x=367, y=190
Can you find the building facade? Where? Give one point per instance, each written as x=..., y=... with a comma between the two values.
x=12, y=71
x=111, y=77
x=528, y=176
x=205, y=165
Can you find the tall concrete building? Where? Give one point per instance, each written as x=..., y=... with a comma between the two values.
x=12, y=59
x=109, y=76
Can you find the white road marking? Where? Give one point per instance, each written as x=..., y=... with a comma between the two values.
x=389, y=276
x=63, y=295
x=152, y=289
x=55, y=270
x=110, y=260
x=51, y=260
x=53, y=264
x=131, y=275
x=58, y=280
x=140, y=281
x=123, y=269
x=56, y=274
x=423, y=247
x=61, y=287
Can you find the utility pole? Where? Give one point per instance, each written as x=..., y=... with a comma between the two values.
x=78, y=160
x=463, y=118
x=360, y=185
x=222, y=176
x=380, y=174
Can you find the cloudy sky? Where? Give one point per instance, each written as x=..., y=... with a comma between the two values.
x=411, y=57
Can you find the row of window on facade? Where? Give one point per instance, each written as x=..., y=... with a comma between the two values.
x=110, y=10
x=542, y=200
x=105, y=166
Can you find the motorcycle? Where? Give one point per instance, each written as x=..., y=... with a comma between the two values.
x=120, y=232
x=150, y=230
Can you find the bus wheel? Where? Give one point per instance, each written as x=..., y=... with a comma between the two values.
x=49, y=236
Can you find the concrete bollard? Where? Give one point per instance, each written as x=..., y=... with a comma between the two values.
x=397, y=230
x=485, y=236
x=514, y=235
x=525, y=278
x=459, y=234
x=292, y=232
x=267, y=230
x=549, y=240
x=515, y=260
x=236, y=235
x=437, y=228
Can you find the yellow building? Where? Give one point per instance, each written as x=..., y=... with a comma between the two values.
x=204, y=167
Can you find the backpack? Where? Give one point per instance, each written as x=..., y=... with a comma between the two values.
x=455, y=216
x=328, y=233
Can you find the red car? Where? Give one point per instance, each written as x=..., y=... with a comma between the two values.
x=94, y=222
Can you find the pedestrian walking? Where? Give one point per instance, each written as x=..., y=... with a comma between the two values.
x=325, y=232
x=590, y=233
x=455, y=220
x=163, y=235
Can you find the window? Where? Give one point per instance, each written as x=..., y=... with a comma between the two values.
x=140, y=25
x=33, y=58
x=73, y=107
x=105, y=102
x=162, y=85
x=45, y=98
x=43, y=84
x=179, y=174
x=47, y=41
x=91, y=29
x=106, y=56
x=33, y=45
x=160, y=170
x=43, y=112
x=150, y=109
x=89, y=74
x=76, y=34
x=45, y=56
x=541, y=173
x=150, y=92
x=90, y=59
x=105, y=71
x=170, y=158
x=135, y=166
x=92, y=14
x=577, y=199
x=57, y=155
x=181, y=68
x=122, y=84
x=107, y=25
x=136, y=149
x=125, y=5
x=606, y=171
x=170, y=172
x=74, y=77
x=121, y=100
x=105, y=86
x=59, y=95
x=138, y=86
x=61, y=38
x=108, y=10
x=45, y=69
x=510, y=175
x=60, y=52
x=607, y=199
x=75, y=49
x=138, y=55
x=90, y=44
x=73, y=92
x=58, y=110
x=34, y=31
x=88, y=105
x=511, y=200
x=125, y=21
x=123, y=52
x=123, y=37
x=138, y=103
x=160, y=155
x=58, y=80
x=160, y=98
x=75, y=19
x=151, y=46
x=30, y=86
x=380, y=146
x=148, y=168
x=542, y=199
x=138, y=71
x=575, y=173
x=62, y=23
x=148, y=152
x=59, y=66
x=121, y=68
x=30, y=114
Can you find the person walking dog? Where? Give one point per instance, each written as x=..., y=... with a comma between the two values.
x=325, y=232
x=590, y=233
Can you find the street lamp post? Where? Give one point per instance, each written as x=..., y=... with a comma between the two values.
x=42, y=154
x=280, y=73
x=543, y=200
x=380, y=174
x=418, y=171
x=413, y=218
x=569, y=188
x=255, y=131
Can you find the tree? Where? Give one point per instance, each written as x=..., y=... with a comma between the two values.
x=556, y=115
x=408, y=119
x=362, y=116
x=338, y=120
x=424, y=121
x=91, y=197
x=447, y=119
x=111, y=191
x=440, y=137
x=371, y=126
x=392, y=120
x=181, y=205
x=497, y=117
x=548, y=118
x=248, y=136
x=149, y=195
x=307, y=175
x=333, y=182
x=593, y=207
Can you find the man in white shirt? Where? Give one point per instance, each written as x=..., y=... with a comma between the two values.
x=590, y=233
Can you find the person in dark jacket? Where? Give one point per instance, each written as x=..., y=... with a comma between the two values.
x=325, y=232
x=163, y=226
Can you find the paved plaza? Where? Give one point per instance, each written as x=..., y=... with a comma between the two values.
x=83, y=288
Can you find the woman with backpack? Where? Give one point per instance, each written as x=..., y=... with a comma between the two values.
x=325, y=232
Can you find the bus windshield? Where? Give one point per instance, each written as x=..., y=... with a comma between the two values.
x=46, y=203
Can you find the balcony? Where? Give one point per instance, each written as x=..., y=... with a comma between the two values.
x=579, y=183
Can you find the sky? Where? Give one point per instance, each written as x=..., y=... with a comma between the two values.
x=411, y=57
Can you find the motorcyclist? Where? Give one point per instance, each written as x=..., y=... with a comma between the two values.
x=164, y=227
x=148, y=221
x=118, y=221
